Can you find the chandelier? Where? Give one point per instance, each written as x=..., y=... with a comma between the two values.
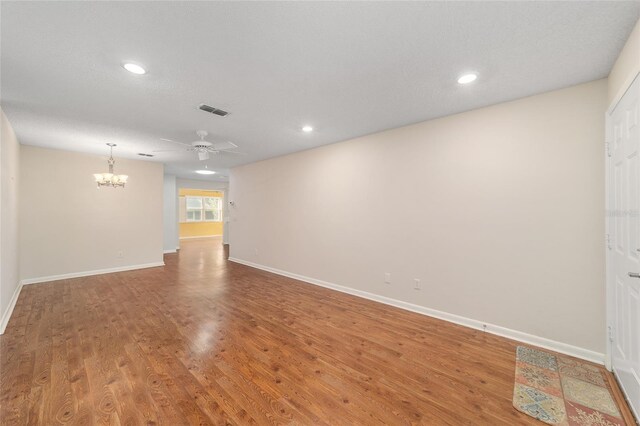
x=110, y=179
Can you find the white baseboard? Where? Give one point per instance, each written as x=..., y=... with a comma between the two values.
x=12, y=304
x=89, y=273
x=200, y=236
x=456, y=319
x=169, y=251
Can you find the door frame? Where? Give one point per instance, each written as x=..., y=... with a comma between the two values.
x=609, y=294
x=225, y=212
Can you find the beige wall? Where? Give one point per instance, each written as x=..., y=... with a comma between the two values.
x=69, y=226
x=9, y=171
x=627, y=65
x=201, y=184
x=499, y=211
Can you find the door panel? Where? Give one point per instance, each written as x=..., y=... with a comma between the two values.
x=632, y=246
x=624, y=192
x=619, y=206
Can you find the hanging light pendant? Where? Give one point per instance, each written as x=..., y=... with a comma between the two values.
x=110, y=179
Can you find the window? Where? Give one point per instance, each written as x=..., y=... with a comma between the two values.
x=212, y=209
x=203, y=209
x=194, y=209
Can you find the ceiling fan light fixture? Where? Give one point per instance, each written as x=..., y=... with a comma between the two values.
x=205, y=171
x=467, y=78
x=134, y=68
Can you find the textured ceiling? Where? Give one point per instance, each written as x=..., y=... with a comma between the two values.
x=348, y=69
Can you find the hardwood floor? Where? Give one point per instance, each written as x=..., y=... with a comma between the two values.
x=206, y=341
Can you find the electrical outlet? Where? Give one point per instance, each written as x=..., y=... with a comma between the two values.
x=416, y=283
x=387, y=277
x=120, y=254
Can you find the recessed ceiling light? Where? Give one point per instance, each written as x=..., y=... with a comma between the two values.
x=205, y=172
x=307, y=129
x=136, y=69
x=467, y=78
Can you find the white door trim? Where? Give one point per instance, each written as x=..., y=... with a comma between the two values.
x=608, y=218
x=607, y=229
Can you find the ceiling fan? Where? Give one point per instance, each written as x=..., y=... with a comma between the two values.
x=204, y=148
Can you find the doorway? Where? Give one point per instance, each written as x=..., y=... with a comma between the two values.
x=201, y=214
x=623, y=251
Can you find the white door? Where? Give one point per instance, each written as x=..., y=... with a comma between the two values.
x=624, y=230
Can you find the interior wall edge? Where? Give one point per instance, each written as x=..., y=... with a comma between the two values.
x=520, y=336
x=626, y=65
x=169, y=212
x=621, y=92
x=6, y=316
x=10, y=157
x=49, y=278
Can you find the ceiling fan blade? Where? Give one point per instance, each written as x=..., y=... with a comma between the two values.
x=222, y=146
x=224, y=151
x=167, y=150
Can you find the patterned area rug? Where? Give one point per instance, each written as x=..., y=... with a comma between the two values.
x=562, y=391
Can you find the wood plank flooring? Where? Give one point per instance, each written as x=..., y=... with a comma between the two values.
x=206, y=341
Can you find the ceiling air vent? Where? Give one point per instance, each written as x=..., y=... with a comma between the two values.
x=213, y=110
x=142, y=154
